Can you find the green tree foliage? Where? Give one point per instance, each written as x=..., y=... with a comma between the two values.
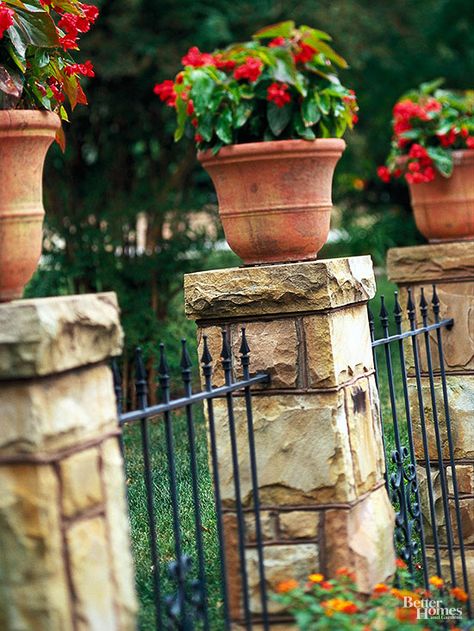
x=121, y=159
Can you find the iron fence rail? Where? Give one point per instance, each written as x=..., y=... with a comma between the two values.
x=187, y=608
x=402, y=475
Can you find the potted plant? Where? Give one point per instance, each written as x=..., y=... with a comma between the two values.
x=267, y=117
x=38, y=76
x=433, y=149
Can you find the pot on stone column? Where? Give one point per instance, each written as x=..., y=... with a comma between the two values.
x=275, y=197
x=25, y=136
x=444, y=208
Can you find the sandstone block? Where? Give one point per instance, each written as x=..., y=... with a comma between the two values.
x=278, y=289
x=357, y=539
x=56, y=411
x=82, y=486
x=33, y=583
x=122, y=566
x=90, y=566
x=299, y=525
x=464, y=478
x=432, y=263
x=268, y=525
x=49, y=335
x=302, y=446
x=281, y=562
x=445, y=569
x=338, y=346
x=461, y=409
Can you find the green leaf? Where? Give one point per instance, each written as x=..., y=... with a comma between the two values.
x=316, y=33
x=32, y=29
x=41, y=58
x=430, y=86
x=181, y=118
x=202, y=89
x=324, y=102
x=10, y=85
x=242, y=114
x=310, y=112
x=443, y=160
x=224, y=127
x=206, y=126
x=278, y=117
x=329, y=52
x=282, y=29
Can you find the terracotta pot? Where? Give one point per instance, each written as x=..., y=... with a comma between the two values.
x=25, y=136
x=275, y=197
x=444, y=208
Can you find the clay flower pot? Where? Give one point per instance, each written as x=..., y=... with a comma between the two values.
x=444, y=208
x=275, y=197
x=25, y=136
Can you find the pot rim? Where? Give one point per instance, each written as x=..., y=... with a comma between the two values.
x=274, y=149
x=19, y=120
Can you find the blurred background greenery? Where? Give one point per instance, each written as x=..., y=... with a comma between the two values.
x=130, y=211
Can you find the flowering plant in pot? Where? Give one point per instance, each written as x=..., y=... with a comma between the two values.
x=267, y=116
x=39, y=79
x=433, y=150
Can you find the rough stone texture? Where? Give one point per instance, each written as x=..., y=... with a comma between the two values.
x=33, y=584
x=50, y=335
x=90, y=568
x=56, y=411
x=281, y=563
x=119, y=535
x=302, y=447
x=338, y=346
x=268, y=525
x=299, y=525
x=433, y=263
x=82, y=486
x=461, y=408
x=278, y=289
x=456, y=301
x=357, y=539
x=464, y=478
x=445, y=568
x=364, y=432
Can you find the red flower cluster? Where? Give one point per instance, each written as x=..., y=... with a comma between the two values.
x=448, y=139
x=278, y=93
x=251, y=69
x=384, y=174
x=6, y=18
x=72, y=25
x=224, y=64
x=86, y=69
x=305, y=53
x=166, y=92
x=470, y=142
x=56, y=89
x=195, y=58
x=278, y=41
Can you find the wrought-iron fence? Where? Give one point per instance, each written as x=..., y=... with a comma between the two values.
x=180, y=584
x=404, y=362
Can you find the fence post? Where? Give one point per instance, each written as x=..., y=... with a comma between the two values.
x=64, y=532
x=319, y=450
x=451, y=267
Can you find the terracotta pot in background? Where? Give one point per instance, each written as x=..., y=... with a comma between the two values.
x=444, y=208
x=25, y=136
x=275, y=197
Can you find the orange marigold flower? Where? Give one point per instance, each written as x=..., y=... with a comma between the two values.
x=287, y=586
x=326, y=585
x=401, y=564
x=406, y=614
x=316, y=578
x=334, y=605
x=344, y=571
x=459, y=594
x=381, y=588
x=436, y=581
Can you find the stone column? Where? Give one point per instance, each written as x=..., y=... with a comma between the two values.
x=451, y=267
x=319, y=450
x=64, y=531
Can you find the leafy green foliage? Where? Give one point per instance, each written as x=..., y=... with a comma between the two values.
x=283, y=84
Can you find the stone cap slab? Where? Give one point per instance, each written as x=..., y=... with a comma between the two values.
x=44, y=336
x=278, y=289
x=434, y=262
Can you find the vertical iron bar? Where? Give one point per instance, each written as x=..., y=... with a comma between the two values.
x=436, y=311
x=416, y=358
x=142, y=400
x=206, y=361
x=382, y=429
x=118, y=399
x=397, y=480
x=165, y=390
x=226, y=356
x=245, y=362
x=186, y=375
x=439, y=446
x=412, y=476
